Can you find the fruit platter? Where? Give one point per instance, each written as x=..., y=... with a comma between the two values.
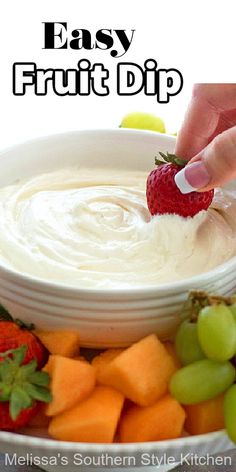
x=164, y=395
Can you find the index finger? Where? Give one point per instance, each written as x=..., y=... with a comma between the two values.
x=209, y=113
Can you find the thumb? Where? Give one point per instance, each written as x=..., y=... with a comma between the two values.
x=212, y=167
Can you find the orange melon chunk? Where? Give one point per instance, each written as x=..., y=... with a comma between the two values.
x=141, y=372
x=163, y=420
x=71, y=382
x=100, y=361
x=93, y=420
x=63, y=343
x=205, y=417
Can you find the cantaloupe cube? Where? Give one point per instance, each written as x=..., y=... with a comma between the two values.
x=163, y=420
x=170, y=347
x=205, y=417
x=71, y=382
x=93, y=420
x=141, y=372
x=63, y=343
x=100, y=361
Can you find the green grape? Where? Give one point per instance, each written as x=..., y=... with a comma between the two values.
x=201, y=381
x=140, y=120
x=230, y=412
x=217, y=332
x=187, y=345
x=233, y=310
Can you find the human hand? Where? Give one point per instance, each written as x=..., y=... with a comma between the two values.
x=208, y=138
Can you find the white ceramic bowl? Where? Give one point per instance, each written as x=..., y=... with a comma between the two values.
x=104, y=318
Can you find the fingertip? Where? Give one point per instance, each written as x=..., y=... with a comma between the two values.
x=193, y=177
x=183, y=185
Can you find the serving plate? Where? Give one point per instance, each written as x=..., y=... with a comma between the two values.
x=163, y=455
x=104, y=319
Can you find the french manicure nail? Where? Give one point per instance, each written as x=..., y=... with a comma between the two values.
x=192, y=177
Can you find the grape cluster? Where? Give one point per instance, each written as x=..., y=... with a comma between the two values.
x=206, y=347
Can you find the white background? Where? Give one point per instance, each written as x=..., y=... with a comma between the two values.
x=198, y=38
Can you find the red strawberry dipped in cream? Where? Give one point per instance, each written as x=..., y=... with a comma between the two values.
x=163, y=195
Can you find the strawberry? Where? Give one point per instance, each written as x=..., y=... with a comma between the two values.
x=14, y=333
x=22, y=389
x=163, y=195
x=25, y=416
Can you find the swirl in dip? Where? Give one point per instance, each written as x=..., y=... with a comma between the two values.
x=92, y=229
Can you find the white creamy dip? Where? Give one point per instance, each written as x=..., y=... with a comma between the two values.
x=92, y=229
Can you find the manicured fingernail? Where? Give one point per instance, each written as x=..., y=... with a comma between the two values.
x=192, y=177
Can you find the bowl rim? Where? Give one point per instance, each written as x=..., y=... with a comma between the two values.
x=50, y=443
x=87, y=131
x=167, y=287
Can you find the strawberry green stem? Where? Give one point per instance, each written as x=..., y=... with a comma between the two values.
x=21, y=385
x=170, y=159
x=198, y=299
